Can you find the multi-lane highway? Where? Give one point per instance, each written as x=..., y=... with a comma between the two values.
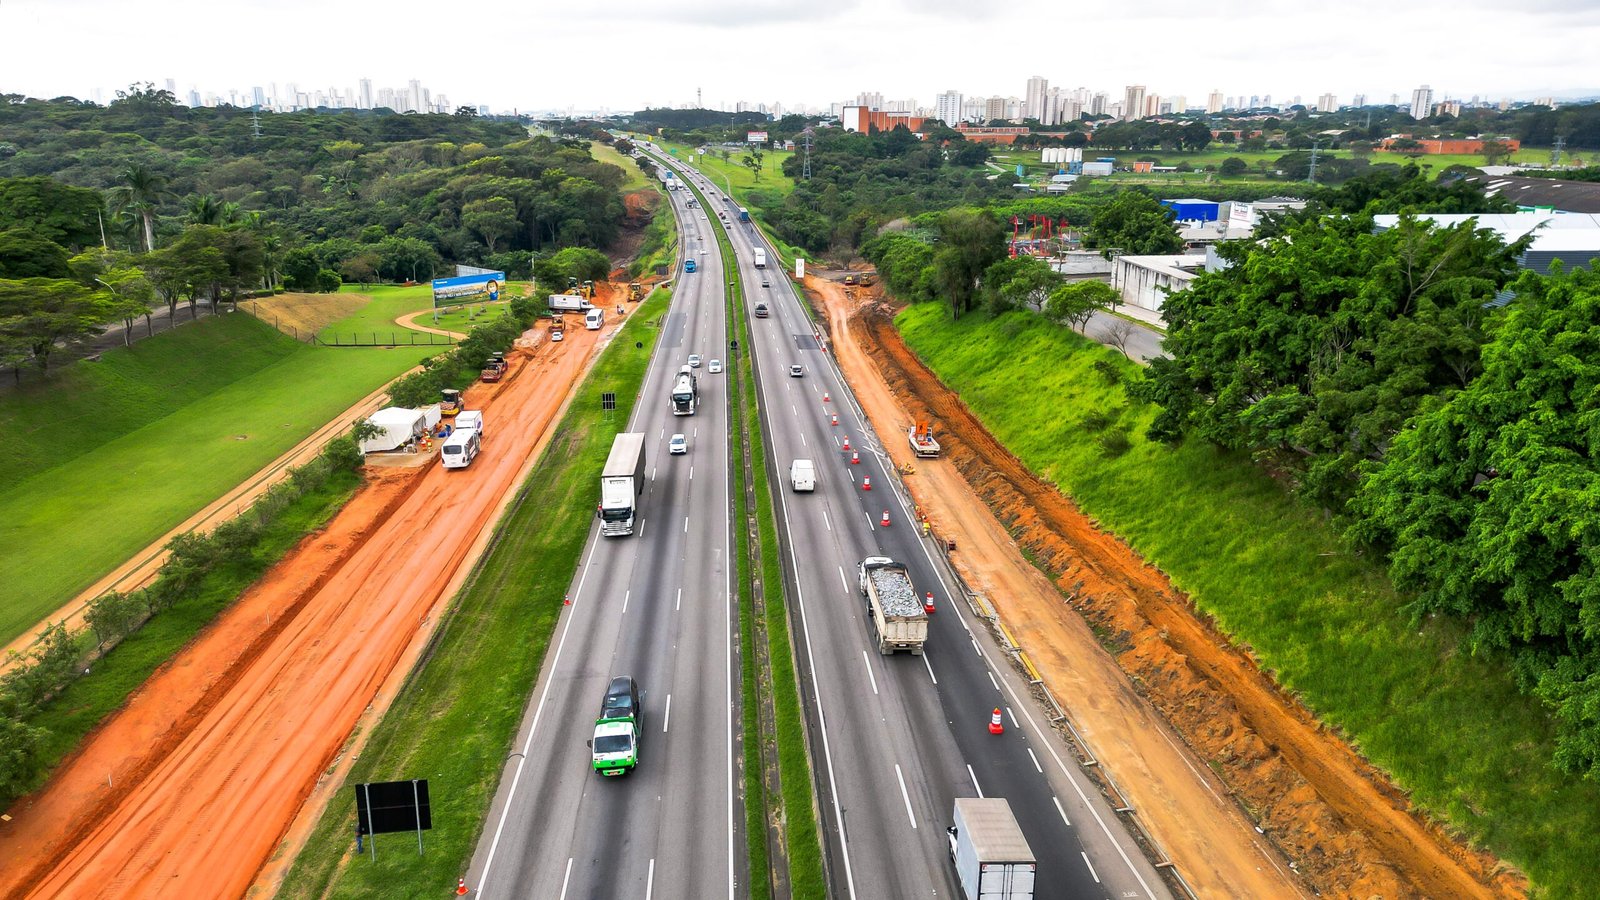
x=657, y=605
x=899, y=737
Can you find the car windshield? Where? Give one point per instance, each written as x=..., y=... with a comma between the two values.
x=613, y=743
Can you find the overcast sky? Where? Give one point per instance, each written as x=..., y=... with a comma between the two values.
x=535, y=54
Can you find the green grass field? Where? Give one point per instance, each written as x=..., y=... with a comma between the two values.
x=635, y=180
x=108, y=455
x=1216, y=153
x=1451, y=727
x=455, y=719
x=739, y=177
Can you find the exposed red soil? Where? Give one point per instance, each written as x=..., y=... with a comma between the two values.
x=1346, y=826
x=195, y=781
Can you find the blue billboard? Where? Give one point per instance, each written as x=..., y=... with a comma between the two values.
x=483, y=287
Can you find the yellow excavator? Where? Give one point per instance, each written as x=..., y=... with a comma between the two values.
x=449, y=402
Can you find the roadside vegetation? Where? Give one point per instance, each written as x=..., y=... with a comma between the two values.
x=1449, y=724
x=50, y=699
x=109, y=455
x=456, y=716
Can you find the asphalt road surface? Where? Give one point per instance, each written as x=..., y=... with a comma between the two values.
x=900, y=737
x=656, y=605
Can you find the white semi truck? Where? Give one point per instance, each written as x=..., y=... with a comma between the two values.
x=685, y=392
x=894, y=612
x=621, y=484
x=991, y=855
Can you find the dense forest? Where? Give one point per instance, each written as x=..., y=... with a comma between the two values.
x=108, y=211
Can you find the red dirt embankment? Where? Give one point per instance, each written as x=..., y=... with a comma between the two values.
x=1348, y=829
x=195, y=780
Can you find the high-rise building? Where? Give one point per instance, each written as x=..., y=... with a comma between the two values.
x=1327, y=103
x=1266, y=100
x=1180, y=104
x=1097, y=105
x=1035, y=99
x=385, y=98
x=1152, y=105
x=994, y=108
x=1422, y=102
x=872, y=100
x=1214, y=102
x=1358, y=101
x=947, y=107
x=365, y=95
x=258, y=96
x=1132, y=102
x=414, y=101
x=194, y=98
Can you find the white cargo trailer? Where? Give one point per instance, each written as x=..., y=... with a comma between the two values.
x=990, y=853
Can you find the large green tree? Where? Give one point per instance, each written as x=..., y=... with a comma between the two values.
x=1317, y=346
x=27, y=254
x=970, y=240
x=1488, y=505
x=1134, y=223
x=492, y=218
x=1023, y=281
x=68, y=215
x=42, y=313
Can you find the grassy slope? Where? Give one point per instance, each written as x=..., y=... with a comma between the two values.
x=149, y=435
x=742, y=179
x=454, y=721
x=635, y=179
x=1451, y=728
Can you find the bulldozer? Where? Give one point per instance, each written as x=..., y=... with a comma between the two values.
x=588, y=290
x=636, y=291
x=449, y=402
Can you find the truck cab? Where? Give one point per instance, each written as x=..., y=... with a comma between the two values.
x=614, y=749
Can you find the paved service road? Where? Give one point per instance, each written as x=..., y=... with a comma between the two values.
x=898, y=738
x=655, y=605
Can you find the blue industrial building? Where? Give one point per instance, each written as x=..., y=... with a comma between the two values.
x=1194, y=210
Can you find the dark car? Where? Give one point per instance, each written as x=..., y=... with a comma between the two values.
x=622, y=700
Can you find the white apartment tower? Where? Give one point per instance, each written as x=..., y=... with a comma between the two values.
x=1327, y=103
x=1180, y=104
x=364, y=100
x=1422, y=102
x=1214, y=102
x=947, y=108
x=1035, y=100
x=1133, y=102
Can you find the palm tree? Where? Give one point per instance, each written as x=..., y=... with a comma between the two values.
x=140, y=192
x=204, y=209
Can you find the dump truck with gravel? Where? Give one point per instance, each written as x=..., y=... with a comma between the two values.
x=894, y=611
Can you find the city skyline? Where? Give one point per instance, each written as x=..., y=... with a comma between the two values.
x=1525, y=54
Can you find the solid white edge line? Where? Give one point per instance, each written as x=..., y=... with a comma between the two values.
x=974, y=776
x=522, y=759
x=666, y=717
x=870, y=677
x=904, y=795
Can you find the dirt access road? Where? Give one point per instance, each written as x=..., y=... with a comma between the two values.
x=210, y=760
x=1346, y=827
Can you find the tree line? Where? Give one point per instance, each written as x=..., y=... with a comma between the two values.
x=109, y=212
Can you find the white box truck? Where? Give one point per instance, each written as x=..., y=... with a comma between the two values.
x=621, y=483
x=803, y=475
x=991, y=856
x=470, y=420
x=761, y=257
x=894, y=611
x=569, y=303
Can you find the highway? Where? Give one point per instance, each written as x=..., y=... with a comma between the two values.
x=897, y=738
x=657, y=605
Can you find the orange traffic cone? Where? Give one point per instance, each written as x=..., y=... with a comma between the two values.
x=866, y=482
x=855, y=458
x=824, y=396
x=885, y=522
x=995, y=725
x=847, y=442
x=835, y=418
x=927, y=605
x=461, y=887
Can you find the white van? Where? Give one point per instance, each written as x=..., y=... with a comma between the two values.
x=803, y=475
x=594, y=318
x=460, y=449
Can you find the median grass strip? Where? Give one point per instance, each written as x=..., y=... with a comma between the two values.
x=802, y=843
x=109, y=455
x=454, y=720
x=1451, y=727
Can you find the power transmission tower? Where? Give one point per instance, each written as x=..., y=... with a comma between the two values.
x=698, y=103
x=1312, y=175
x=255, y=123
x=806, y=169
x=1555, y=152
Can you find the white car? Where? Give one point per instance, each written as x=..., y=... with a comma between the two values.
x=678, y=446
x=797, y=371
x=715, y=367
x=694, y=360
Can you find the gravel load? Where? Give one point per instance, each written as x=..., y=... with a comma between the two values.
x=895, y=592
